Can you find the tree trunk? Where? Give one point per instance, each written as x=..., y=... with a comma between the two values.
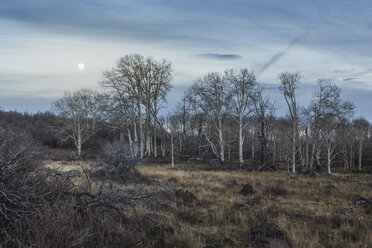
x=294, y=149
x=129, y=139
x=360, y=153
x=228, y=150
x=329, y=158
x=155, y=143
x=148, y=130
x=79, y=146
x=135, y=138
x=221, y=142
x=253, y=144
x=300, y=148
x=162, y=145
x=317, y=156
x=180, y=143
x=346, y=162
x=199, y=138
x=274, y=151
x=172, y=150
x=141, y=132
x=312, y=155
x=351, y=158
x=307, y=148
x=241, y=141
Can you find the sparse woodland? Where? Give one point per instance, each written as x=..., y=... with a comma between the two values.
x=119, y=168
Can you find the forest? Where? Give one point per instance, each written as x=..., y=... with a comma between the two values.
x=121, y=168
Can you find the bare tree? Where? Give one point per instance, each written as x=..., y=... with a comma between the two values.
x=159, y=88
x=210, y=96
x=172, y=128
x=264, y=110
x=140, y=85
x=79, y=112
x=289, y=84
x=328, y=110
x=361, y=126
x=184, y=117
x=243, y=84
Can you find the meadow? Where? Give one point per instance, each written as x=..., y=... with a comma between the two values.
x=193, y=205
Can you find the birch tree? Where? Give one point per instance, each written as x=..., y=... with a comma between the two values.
x=328, y=110
x=242, y=89
x=140, y=85
x=289, y=84
x=361, y=127
x=159, y=88
x=79, y=112
x=210, y=96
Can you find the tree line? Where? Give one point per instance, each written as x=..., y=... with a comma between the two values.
x=224, y=116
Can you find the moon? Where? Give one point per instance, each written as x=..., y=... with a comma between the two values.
x=81, y=66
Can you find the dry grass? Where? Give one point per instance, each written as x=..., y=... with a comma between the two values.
x=305, y=210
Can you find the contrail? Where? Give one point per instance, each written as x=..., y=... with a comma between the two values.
x=276, y=57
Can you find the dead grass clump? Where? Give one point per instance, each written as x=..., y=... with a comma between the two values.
x=121, y=174
x=277, y=189
x=189, y=217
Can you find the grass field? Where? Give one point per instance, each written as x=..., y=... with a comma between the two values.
x=284, y=210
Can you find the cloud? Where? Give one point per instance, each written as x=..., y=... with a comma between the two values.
x=276, y=57
x=350, y=79
x=344, y=71
x=39, y=35
x=362, y=73
x=220, y=56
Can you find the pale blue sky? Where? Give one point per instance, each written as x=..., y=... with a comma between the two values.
x=41, y=43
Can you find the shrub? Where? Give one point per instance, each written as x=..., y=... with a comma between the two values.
x=23, y=189
x=118, y=154
x=118, y=160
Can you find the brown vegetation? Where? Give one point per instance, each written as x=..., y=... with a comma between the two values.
x=296, y=211
x=199, y=208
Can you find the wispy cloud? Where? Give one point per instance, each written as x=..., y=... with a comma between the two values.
x=220, y=56
x=350, y=79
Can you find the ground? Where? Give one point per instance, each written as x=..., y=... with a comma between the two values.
x=276, y=209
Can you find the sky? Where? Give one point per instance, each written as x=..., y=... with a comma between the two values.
x=43, y=41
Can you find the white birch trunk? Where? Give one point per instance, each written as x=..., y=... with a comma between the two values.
x=329, y=157
x=294, y=149
x=130, y=140
x=241, y=141
x=221, y=142
x=141, y=134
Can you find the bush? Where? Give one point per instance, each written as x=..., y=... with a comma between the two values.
x=41, y=207
x=118, y=154
x=24, y=188
x=119, y=160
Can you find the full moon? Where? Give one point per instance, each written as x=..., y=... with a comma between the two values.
x=81, y=66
